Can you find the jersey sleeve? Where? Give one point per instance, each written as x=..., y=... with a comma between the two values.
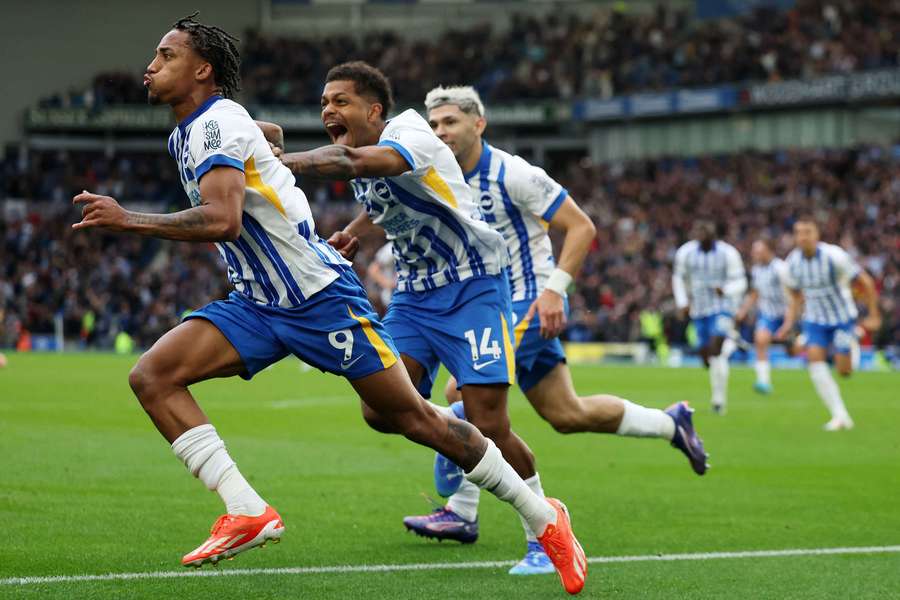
x=532, y=189
x=679, y=276
x=416, y=145
x=736, y=278
x=221, y=139
x=787, y=276
x=846, y=269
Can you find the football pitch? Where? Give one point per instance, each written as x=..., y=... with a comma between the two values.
x=89, y=488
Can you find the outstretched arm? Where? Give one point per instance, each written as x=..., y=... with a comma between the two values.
x=345, y=163
x=217, y=219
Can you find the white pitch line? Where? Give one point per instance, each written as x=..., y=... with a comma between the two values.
x=493, y=564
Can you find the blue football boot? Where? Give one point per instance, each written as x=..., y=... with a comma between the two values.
x=762, y=388
x=443, y=524
x=536, y=562
x=686, y=438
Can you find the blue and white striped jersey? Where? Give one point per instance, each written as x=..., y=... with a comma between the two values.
x=768, y=281
x=428, y=212
x=278, y=260
x=824, y=279
x=518, y=200
x=697, y=274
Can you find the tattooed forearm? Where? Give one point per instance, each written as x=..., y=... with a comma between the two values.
x=328, y=162
x=192, y=225
x=469, y=441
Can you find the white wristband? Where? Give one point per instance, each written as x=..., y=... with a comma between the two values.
x=559, y=281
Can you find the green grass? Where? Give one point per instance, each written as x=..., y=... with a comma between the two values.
x=87, y=486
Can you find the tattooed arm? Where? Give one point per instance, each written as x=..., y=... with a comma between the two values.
x=344, y=162
x=217, y=219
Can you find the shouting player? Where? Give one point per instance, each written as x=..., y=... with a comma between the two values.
x=293, y=295
x=520, y=201
x=819, y=276
x=768, y=293
x=707, y=278
x=452, y=302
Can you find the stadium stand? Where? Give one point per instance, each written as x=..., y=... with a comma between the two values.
x=564, y=55
x=643, y=209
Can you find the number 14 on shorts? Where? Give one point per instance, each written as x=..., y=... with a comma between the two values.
x=488, y=347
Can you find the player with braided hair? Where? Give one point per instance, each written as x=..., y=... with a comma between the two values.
x=218, y=48
x=293, y=294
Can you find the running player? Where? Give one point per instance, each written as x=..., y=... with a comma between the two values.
x=707, y=278
x=293, y=295
x=819, y=276
x=519, y=201
x=767, y=291
x=452, y=301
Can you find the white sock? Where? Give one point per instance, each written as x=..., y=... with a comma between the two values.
x=718, y=379
x=640, y=421
x=828, y=390
x=855, y=354
x=763, y=372
x=203, y=452
x=496, y=476
x=534, y=483
x=728, y=348
x=465, y=501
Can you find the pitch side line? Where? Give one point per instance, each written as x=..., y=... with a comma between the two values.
x=493, y=564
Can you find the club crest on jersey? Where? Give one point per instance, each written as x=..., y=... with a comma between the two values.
x=213, y=137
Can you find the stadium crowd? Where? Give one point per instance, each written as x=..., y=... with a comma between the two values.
x=566, y=55
x=100, y=285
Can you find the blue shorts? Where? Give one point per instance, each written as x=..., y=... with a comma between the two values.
x=466, y=325
x=335, y=330
x=535, y=356
x=717, y=325
x=841, y=336
x=770, y=324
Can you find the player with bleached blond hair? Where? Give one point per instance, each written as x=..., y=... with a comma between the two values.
x=521, y=202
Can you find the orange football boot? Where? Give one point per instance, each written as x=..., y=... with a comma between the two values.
x=564, y=551
x=232, y=534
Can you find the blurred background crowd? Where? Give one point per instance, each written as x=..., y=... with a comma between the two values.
x=98, y=286
x=643, y=210
x=565, y=55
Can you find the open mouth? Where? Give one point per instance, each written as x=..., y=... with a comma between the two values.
x=335, y=130
x=147, y=81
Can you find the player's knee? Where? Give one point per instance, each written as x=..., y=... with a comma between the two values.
x=137, y=379
x=141, y=380
x=147, y=378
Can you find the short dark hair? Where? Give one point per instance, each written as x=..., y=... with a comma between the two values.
x=217, y=47
x=807, y=218
x=367, y=80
